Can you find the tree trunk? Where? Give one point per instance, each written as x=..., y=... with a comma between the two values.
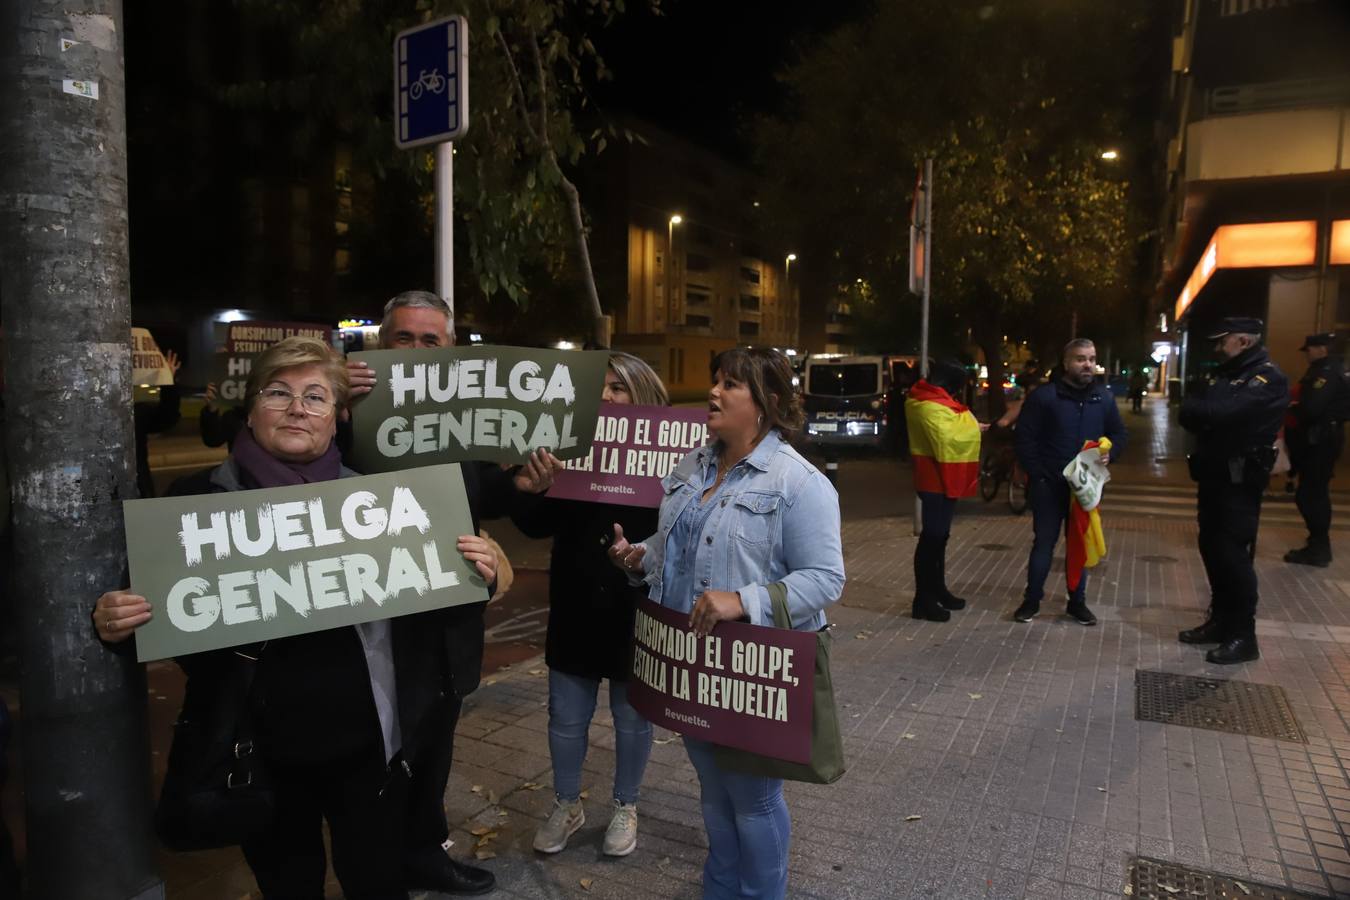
x=63, y=237
x=989, y=337
x=600, y=333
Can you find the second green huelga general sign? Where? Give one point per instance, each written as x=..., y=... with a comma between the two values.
x=475, y=403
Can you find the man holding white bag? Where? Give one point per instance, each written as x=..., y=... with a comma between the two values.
x=1055, y=424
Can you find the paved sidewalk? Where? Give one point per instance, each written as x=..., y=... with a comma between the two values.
x=1016, y=745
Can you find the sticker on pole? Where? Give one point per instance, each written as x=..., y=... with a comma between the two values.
x=431, y=82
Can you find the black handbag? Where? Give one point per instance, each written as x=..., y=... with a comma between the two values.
x=216, y=792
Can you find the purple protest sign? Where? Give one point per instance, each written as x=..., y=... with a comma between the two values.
x=635, y=447
x=743, y=686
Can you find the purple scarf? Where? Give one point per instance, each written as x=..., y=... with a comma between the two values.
x=260, y=469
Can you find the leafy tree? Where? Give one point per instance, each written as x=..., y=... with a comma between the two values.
x=310, y=79
x=1014, y=102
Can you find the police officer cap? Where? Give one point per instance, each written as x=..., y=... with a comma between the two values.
x=1318, y=340
x=1237, y=325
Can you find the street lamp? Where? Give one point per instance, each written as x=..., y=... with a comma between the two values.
x=670, y=259
x=1110, y=155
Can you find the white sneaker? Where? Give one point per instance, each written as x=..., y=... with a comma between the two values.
x=621, y=835
x=562, y=824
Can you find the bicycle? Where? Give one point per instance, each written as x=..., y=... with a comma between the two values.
x=432, y=81
x=999, y=465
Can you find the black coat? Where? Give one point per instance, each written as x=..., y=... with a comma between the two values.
x=591, y=604
x=1238, y=410
x=1056, y=420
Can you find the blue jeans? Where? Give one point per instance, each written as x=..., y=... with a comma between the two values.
x=748, y=830
x=571, y=704
x=1049, y=502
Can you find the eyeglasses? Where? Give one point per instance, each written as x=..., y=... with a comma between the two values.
x=279, y=400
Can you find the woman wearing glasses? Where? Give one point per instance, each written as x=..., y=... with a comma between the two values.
x=332, y=720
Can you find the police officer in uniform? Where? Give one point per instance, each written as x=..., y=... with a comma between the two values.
x=1323, y=404
x=1235, y=418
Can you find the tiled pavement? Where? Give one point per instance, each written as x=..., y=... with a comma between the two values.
x=1015, y=744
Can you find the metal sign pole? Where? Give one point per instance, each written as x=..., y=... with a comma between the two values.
x=445, y=225
x=925, y=207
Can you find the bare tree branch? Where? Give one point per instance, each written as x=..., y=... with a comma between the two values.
x=519, y=88
x=543, y=88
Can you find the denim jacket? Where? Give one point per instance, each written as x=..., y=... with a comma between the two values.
x=777, y=520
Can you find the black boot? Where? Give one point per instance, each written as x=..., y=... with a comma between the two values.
x=926, y=605
x=1239, y=649
x=430, y=868
x=1211, y=632
x=946, y=598
x=1316, y=553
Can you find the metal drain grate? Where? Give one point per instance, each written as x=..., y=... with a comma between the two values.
x=1152, y=879
x=1218, y=704
x=1157, y=559
x=996, y=548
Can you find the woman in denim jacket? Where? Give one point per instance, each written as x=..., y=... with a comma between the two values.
x=741, y=514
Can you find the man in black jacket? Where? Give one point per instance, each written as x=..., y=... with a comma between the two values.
x=1235, y=417
x=1323, y=406
x=421, y=320
x=1052, y=427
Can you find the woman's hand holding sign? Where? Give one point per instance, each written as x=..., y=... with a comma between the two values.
x=713, y=607
x=480, y=553
x=536, y=476
x=119, y=613
x=625, y=555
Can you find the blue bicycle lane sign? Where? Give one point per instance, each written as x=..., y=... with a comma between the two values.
x=431, y=82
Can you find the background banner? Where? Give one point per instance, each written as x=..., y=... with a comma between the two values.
x=244, y=341
x=634, y=448
x=148, y=365
x=226, y=569
x=743, y=686
x=475, y=403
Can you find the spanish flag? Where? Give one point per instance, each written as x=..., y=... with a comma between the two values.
x=1086, y=542
x=944, y=440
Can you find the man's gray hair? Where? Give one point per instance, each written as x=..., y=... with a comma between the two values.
x=1076, y=344
x=415, y=300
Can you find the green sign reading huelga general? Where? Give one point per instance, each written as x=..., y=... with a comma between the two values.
x=235, y=568
x=475, y=403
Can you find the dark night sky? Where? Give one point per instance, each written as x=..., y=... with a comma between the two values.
x=706, y=66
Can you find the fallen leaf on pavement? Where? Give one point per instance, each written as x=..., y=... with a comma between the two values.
x=976, y=696
x=1242, y=887
x=909, y=735
x=586, y=883
x=480, y=831
x=538, y=671
x=484, y=854
x=862, y=635
x=1129, y=890
x=664, y=740
x=1102, y=789
x=585, y=795
x=492, y=797
x=476, y=789
x=531, y=786
x=913, y=818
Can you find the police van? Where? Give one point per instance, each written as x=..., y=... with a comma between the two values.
x=851, y=401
